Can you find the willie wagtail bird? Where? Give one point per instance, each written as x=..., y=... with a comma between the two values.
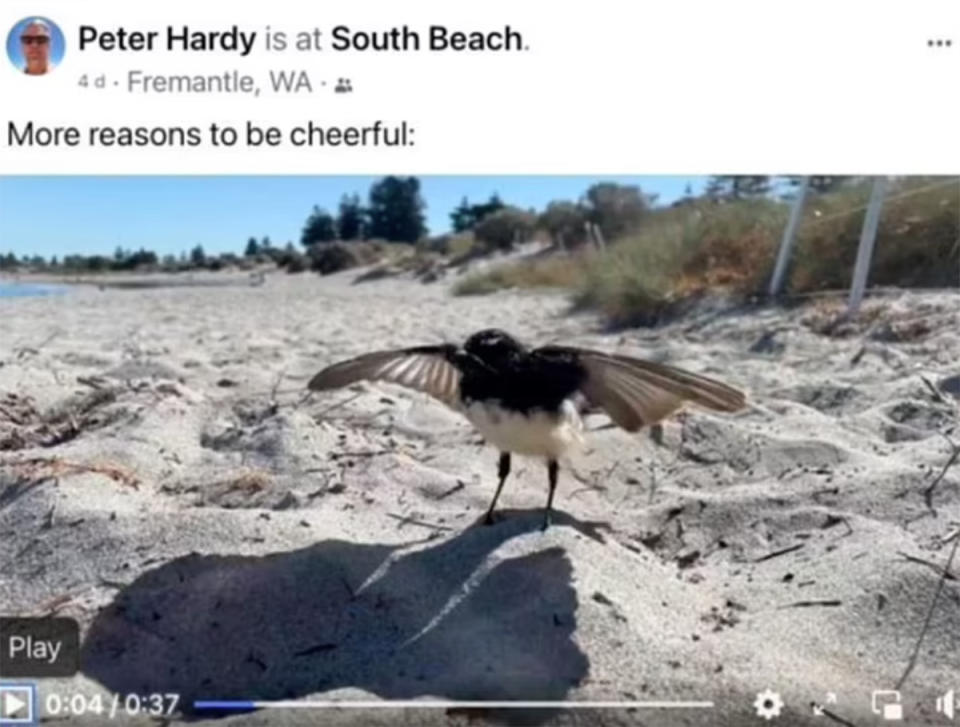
x=528, y=401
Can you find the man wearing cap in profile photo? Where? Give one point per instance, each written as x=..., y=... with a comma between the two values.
x=35, y=41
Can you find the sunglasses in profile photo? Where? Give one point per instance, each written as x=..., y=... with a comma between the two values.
x=35, y=46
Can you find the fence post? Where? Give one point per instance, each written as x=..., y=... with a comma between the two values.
x=868, y=236
x=598, y=236
x=789, y=237
x=593, y=235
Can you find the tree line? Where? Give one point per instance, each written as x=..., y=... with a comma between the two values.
x=394, y=212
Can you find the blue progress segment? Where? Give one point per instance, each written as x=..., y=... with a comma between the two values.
x=226, y=704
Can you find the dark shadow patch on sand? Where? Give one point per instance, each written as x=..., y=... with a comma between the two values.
x=828, y=398
x=399, y=624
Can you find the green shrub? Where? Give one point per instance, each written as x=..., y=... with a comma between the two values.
x=565, y=223
x=552, y=272
x=918, y=240
x=500, y=230
x=333, y=257
x=294, y=262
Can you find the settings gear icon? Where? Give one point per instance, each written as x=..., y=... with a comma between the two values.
x=768, y=704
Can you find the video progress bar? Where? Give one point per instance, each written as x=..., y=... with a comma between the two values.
x=438, y=704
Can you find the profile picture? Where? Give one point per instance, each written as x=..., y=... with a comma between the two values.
x=35, y=46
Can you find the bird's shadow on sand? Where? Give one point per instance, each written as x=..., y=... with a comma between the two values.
x=399, y=622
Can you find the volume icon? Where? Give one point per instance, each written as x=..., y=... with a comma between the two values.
x=947, y=704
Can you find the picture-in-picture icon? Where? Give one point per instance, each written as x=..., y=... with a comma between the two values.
x=886, y=702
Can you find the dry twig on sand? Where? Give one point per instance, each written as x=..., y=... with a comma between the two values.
x=23, y=425
x=778, y=553
x=926, y=623
x=928, y=491
x=22, y=351
x=456, y=488
x=407, y=520
x=936, y=569
x=945, y=574
x=934, y=392
x=275, y=387
x=317, y=417
x=247, y=482
x=47, y=468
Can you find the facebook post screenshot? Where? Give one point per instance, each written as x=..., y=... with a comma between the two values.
x=467, y=364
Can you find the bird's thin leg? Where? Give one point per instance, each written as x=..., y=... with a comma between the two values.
x=552, y=469
x=502, y=471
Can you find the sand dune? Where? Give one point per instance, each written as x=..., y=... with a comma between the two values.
x=217, y=533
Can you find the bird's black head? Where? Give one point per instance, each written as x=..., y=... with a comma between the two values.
x=494, y=347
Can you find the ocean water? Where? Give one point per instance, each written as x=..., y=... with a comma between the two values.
x=9, y=289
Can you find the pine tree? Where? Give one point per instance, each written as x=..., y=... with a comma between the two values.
x=461, y=219
x=737, y=186
x=820, y=184
x=319, y=227
x=350, y=218
x=396, y=210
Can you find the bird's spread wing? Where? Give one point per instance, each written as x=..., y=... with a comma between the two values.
x=639, y=393
x=429, y=369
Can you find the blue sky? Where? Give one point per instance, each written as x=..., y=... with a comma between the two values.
x=86, y=215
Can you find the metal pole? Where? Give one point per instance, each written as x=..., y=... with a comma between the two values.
x=789, y=236
x=868, y=236
x=593, y=235
x=598, y=236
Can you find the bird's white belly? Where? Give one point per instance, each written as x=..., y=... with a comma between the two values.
x=537, y=433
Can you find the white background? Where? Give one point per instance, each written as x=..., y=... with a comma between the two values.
x=681, y=87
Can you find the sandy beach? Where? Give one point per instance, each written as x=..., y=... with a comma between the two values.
x=217, y=533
